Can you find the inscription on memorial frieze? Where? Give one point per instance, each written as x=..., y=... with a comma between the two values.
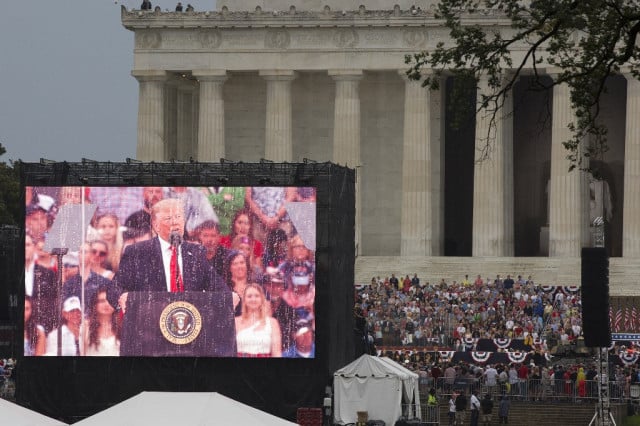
x=243, y=38
x=277, y=39
x=415, y=37
x=290, y=38
x=209, y=38
x=310, y=38
x=345, y=37
x=148, y=39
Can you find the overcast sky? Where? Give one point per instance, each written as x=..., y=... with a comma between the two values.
x=66, y=90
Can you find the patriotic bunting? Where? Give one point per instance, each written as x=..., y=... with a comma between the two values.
x=516, y=356
x=502, y=343
x=480, y=356
x=628, y=358
x=446, y=355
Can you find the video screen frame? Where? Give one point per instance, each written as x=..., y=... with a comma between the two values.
x=101, y=227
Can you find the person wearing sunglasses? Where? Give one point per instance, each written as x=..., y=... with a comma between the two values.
x=87, y=278
x=98, y=259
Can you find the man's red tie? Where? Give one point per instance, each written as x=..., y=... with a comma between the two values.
x=176, y=276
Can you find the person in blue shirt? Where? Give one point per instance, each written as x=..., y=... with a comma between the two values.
x=303, y=341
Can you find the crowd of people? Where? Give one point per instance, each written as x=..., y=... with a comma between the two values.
x=408, y=312
x=238, y=241
x=420, y=325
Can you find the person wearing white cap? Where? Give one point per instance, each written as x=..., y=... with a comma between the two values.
x=304, y=346
x=70, y=330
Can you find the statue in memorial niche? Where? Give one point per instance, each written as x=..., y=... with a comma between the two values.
x=600, y=202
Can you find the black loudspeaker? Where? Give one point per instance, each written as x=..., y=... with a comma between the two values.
x=595, y=297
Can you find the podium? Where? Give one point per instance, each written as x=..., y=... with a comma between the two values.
x=189, y=324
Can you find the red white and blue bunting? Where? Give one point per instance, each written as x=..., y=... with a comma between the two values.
x=502, y=343
x=517, y=357
x=629, y=358
x=480, y=356
x=446, y=355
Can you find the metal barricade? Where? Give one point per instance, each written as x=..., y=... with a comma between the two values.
x=430, y=414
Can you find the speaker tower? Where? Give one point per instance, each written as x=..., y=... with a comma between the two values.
x=595, y=297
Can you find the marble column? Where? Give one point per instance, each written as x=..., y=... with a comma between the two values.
x=346, y=131
x=631, y=204
x=171, y=118
x=493, y=179
x=185, y=122
x=438, y=130
x=568, y=190
x=151, y=133
x=210, y=141
x=278, y=131
x=416, y=223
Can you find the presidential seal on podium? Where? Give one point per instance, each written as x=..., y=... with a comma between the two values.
x=180, y=323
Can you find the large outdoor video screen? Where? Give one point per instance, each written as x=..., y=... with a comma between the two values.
x=170, y=271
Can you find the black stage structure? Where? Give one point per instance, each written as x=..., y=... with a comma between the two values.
x=72, y=388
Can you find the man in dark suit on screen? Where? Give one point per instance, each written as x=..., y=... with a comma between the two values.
x=167, y=264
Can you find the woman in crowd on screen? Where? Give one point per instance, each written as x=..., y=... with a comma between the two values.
x=236, y=275
x=257, y=332
x=108, y=228
x=242, y=225
x=98, y=258
x=34, y=337
x=243, y=244
x=297, y=252
x=101, y=331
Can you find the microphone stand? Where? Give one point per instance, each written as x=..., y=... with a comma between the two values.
x=59, y=253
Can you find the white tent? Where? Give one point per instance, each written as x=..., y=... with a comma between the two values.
x=377, y=386
x=16, y=415
x=182, y=408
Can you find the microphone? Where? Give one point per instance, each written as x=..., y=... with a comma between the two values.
x=175, y=239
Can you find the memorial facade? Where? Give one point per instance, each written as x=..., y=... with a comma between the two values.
x=325, y=81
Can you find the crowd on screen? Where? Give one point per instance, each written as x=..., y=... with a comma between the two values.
x=249, y=239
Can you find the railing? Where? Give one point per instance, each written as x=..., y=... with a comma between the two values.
x=552, y=390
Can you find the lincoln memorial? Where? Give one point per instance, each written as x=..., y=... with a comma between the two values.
x=324, y=80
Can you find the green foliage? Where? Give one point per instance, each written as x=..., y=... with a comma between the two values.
x=9, y=192
x=579, y=42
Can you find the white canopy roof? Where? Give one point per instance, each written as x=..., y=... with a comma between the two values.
x=182, y=408
x=16, y=415
x=376, y=385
